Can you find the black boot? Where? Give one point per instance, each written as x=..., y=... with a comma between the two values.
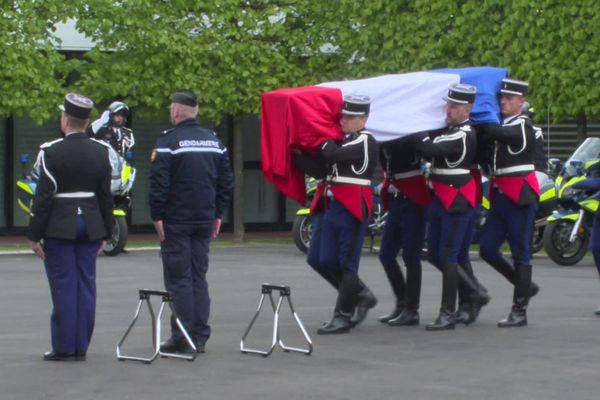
x=400, y=305
x=347, y=294
x=332, y=277
x=340, y=323
x=464, y=314
x=518, y=313
x=365, y=301
x=445, y=320
x=517, y=317
x=508, y=271
x=396, y=279
x=408, y=317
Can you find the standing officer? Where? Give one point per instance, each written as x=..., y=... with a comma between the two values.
x=515, y=194
x=72, y=212
x=113, y=130
x=406, y=195
x=452, y=151
x=190, y=189
x=344, y=201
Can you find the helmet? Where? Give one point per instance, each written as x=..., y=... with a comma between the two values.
x=118, y=107
x=527, y=109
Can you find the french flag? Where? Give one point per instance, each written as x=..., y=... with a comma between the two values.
x=401, y=104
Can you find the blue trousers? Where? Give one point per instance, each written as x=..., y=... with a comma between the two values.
x=71, y=270
x=447, y=234
x=185, y=264
x=595, y=241
x=337, y=240
x=507, y=220
x=404, y=230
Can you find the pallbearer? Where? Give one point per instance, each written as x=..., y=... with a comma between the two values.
x=343, y=203
x=405, y=195
x=515, y=191
x=452, y=151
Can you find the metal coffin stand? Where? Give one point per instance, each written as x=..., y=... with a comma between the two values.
x=284, y=292
x=145, y=295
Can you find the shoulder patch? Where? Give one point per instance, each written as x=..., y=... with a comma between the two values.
x=48, y=144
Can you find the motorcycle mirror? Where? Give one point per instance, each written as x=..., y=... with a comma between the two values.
x=578, y=166
x=24, y=159
x=129, y=156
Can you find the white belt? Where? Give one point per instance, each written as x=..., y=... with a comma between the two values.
x=409, y=174
x=354, y=181
x=450, y=171
x=516, y=168
x=74, y=195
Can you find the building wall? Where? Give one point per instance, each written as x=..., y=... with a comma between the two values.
x=263, y=205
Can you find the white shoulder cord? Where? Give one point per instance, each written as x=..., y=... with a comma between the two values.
x=522, y=123
x=365, y=165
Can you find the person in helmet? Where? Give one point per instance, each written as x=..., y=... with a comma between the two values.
x=110, y=127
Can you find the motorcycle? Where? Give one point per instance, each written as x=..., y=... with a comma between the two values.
x=567, y=235
x=302, y=226
x=122, y=180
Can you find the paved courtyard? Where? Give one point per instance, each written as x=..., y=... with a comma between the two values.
x=556, y=357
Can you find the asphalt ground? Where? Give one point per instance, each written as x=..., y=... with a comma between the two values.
x=556, y=357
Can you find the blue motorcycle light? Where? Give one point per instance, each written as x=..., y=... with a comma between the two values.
x=129, y=156
x=24, y=158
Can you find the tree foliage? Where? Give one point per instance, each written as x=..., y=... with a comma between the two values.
x=230, y=51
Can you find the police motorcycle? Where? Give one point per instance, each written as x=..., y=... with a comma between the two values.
x=567, y=235
x=303, y=224
x=122, y=179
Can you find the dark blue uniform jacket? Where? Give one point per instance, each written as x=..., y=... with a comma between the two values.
x=190, y=177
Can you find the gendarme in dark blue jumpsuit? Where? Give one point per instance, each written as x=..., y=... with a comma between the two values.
x=406, y=196
x=190, y=187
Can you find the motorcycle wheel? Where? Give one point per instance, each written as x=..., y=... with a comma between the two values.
x=116, y=243
x=557, y=245
x=538, y=239
x=302, y=232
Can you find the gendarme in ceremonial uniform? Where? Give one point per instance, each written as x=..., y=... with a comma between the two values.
x=72, y=213
x=406, y=196
x=452, y=152
x=341, y=208
x=514, y=196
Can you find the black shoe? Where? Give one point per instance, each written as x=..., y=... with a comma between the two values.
x=200, y=348
x=445, y=321
x=79, y=356
x=367, y=300
x=339, y=324
x=517, y=317
x=393, y=315
x=464, y=314
x=534, y=289
x=54, y=356
x=597, y=312
x=468, y=313
x=406, y=318
x=172, y=346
